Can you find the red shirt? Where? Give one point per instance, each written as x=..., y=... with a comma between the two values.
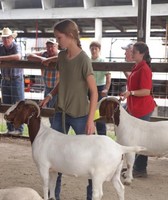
x=140, y=78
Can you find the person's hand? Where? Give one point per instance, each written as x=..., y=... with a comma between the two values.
x=44, y=102
x=104, y=93
x=46, y=62
x=90, y=128
x=124, y=95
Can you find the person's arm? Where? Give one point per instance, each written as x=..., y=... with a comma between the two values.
x=16, y=56
x=49, y=60
x=36, y=57
x=52, y=93
x=104, y=92
x=127, y=74
x=90, y=126
x=136, y=93
x=49, y=96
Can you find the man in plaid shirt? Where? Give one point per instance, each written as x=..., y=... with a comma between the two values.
x=50, y=76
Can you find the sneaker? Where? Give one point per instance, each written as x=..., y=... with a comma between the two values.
x=15, y=133
x=140, y=174
x=8, y=132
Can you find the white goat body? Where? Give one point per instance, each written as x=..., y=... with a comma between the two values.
x=19, y=193
x=95, y=157
x=130, y=131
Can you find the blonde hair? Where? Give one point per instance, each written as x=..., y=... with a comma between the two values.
x=69, y=28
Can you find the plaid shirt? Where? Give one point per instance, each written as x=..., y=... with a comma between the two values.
x=49, y=75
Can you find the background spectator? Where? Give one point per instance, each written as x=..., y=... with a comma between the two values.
x=140, y=102
x=50, y=76
x=128, y=55
x=12, y=78
x=103, y=81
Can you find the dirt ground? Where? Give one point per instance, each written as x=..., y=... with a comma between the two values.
x=18, y=169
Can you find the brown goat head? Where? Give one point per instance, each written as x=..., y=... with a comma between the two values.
x=108, y=109
x=20, y=112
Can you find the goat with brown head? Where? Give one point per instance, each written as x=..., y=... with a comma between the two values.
x=54, y=152
x=27, y=112
x=130, y=131
x=109, y=110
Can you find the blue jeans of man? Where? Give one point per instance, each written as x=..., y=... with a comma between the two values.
x=51, y=103
x=62, y=124
x=12, y=92
x=141, y=161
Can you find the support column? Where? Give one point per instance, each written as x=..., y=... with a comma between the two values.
x=144, y=20
x=98, y=29
x=89, y=3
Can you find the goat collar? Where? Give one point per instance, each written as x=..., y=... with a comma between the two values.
x=116, y=114
x=116, y=109
x=32, y=115
x=29, y=118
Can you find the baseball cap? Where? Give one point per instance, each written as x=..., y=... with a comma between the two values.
x=128, y=46
x=51, y=40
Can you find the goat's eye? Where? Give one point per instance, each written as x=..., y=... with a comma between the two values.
x=18, y=108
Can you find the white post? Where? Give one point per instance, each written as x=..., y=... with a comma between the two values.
x=98, y=29
x=148, y=21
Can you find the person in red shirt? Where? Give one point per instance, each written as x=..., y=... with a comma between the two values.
x=140, y=102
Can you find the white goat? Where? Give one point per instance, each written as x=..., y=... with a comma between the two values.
x=19, y=193
x=133, y=131
x=95, y=157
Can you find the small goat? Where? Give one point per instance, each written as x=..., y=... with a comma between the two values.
x=95, y=157
x=19, y=193
x=133, y=131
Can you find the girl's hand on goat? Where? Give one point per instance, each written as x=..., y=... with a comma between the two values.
x=44, y=102
x=90, y=128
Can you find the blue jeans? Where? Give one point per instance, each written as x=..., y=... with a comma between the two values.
x=100, y=126
x=51, y=103
x=12, y=92
x=63, y=125
x=141, y=161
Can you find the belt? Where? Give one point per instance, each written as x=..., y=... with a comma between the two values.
x=10, y=78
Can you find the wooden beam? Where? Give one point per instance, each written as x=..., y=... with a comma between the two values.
x=45, y=112
x=106, y=66
x=97, y=66
x=24, y=64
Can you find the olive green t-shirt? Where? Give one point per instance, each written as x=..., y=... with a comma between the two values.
x=73, y=89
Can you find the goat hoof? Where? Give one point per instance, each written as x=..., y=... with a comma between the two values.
x=124, y=175
x=127, y=182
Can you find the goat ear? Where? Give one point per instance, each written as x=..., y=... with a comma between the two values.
x=105, y=111
x=109, y=111
x=102, y=108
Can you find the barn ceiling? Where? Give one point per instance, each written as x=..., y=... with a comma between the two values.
x=119, y=17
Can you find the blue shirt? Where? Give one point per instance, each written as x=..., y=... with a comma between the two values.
x=13, y=49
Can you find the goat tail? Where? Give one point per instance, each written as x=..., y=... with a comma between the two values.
x=131, y=149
